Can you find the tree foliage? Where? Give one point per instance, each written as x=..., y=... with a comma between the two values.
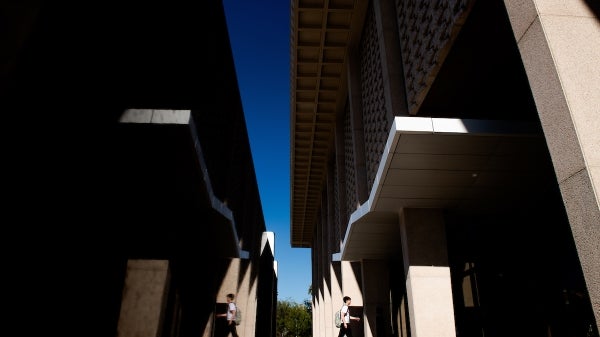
x=293, y=320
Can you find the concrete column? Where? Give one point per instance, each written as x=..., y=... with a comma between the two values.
x=245, y=292
x=430, y=302
x=246, y=298
x=428, y=284
x=265, y=289
x=328, y=312
x=352, y=286
x=336, y=293
x=229, y=284
x=145, y=295
x=322, y=312
x=315, y=317
x=376, y=290
x=351, y=279
x=563, y=68
x=328, y=239
x=319, y=249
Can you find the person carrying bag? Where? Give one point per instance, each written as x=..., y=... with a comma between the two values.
x=345, y=327
x=231, y=316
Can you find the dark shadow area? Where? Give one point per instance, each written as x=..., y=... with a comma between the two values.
x=483, y=76
x=594, y=7
x=504, y=271
x=85, y=194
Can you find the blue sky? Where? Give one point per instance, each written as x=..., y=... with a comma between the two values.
x=259, y=31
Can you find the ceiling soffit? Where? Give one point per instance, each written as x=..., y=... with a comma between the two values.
x=468, y=166
x=322, y=32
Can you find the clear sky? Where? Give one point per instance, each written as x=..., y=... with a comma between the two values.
x=259, y=31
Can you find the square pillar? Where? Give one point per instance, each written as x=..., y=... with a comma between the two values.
x=428, y=283
x=144, y=300
x=430, y=302
x=351, y=284
x=336, y=293
x=376, y=290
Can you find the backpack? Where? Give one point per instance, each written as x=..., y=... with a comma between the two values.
x=238, y=315
x=338, y=318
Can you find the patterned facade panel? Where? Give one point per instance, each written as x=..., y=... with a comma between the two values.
x=426, y=30
x=375, y=118
x=350, y=179
x=336, y=207
x=324, y=241
x=331, y=209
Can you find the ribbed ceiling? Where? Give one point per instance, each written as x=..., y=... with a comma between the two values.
x=321, y=35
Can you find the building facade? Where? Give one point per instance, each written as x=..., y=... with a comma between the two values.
x=132, y=205
x=445, y=164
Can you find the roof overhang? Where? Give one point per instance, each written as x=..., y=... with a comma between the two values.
x=466, y=165
x=163, y=180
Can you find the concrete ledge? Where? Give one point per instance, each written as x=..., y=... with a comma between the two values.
x=150, y=116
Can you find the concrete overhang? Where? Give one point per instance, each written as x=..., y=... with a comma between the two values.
x=165, y=176
x=471, y=166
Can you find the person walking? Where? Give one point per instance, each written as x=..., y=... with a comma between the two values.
x=230, y=315
x=345, y=328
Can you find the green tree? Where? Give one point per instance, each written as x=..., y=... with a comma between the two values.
x=293, y=320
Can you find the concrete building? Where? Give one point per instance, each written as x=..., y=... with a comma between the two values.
x=131, y=206
x=445, y=162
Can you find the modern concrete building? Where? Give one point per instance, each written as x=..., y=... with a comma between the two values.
x=445, y=161
x=131, y=205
